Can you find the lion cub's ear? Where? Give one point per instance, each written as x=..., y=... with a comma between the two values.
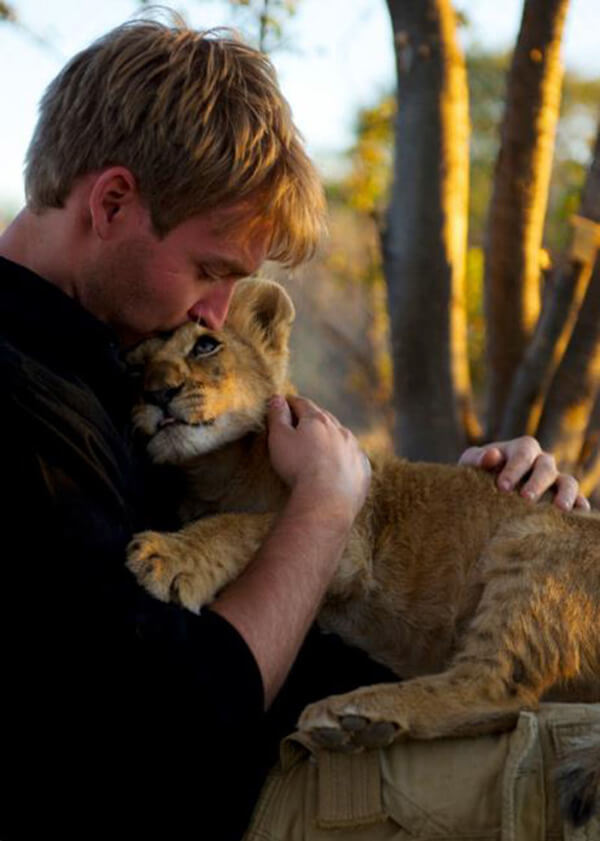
x=263, y=311
x=139, y=354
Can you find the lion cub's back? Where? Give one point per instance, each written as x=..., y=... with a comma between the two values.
x=441, y=497
x=436, y=518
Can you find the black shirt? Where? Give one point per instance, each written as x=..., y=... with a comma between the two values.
x=120, y=715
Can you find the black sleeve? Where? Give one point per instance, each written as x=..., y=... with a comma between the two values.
x=137, y=709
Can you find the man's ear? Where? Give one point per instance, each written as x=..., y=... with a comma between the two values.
x=114, y=198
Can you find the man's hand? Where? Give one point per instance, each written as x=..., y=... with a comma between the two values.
x=319, y=459
x=513, y=460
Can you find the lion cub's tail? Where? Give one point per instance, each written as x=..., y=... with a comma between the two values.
x=578, y=780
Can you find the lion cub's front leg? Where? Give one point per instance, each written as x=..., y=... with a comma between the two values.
x=190, y=566
x=465, y=700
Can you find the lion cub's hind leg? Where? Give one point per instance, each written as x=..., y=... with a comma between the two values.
x=520, y=642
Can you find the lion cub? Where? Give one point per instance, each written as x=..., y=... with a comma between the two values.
x=481, y=600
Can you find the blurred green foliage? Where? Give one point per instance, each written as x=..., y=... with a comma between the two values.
x=7, y=12
x=266, y=18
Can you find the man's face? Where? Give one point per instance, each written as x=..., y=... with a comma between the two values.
x=141, y=285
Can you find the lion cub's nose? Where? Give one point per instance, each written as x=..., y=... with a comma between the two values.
x=161, y=397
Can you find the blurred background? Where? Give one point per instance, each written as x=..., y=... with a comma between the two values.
x=455, y=297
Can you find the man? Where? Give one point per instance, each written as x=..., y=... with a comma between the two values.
x=164, y=166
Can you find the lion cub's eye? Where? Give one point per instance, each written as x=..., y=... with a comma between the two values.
x=205, y=346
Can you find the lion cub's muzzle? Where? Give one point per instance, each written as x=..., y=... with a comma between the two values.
x=161, y=397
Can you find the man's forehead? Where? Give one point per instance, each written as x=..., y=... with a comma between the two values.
x=238, y=252
x=226, y=241
x=239, y=214
x=244, y=221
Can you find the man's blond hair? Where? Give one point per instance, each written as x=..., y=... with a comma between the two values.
x=199, y=120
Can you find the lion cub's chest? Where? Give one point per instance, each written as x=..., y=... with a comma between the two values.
x=238, y=478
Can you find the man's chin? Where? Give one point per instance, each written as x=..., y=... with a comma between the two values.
x=128, y=338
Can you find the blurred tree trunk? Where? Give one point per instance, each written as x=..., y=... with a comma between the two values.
x=565, y=421
x=588, y=462
x=565, y=352
x=562, y=303
x=519, y=199
x=424, y=241
x=574, y=388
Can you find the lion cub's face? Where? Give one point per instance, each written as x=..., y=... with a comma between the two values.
x=203, y=388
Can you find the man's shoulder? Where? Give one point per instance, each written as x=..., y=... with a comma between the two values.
x=11, y=357
x=32, y=389
x=58, y=417
x=22, y=377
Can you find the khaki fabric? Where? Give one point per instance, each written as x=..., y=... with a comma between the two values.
x=491, y=788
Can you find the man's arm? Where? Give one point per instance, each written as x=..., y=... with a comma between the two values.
x=276, y=599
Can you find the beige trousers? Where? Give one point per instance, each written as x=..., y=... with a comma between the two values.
x=492, y=788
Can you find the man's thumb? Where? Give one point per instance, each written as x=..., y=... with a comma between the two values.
x=279, y=411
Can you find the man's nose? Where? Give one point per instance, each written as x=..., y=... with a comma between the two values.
x=212, y=308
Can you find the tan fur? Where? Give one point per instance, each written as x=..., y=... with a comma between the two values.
x=484, y=601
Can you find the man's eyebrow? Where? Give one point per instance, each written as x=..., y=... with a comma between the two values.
x=220, y=263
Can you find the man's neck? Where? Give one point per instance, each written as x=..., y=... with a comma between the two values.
x=35, y=241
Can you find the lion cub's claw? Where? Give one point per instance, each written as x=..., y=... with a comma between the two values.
x=337, y=724
x=157, y=561
x=331, y=739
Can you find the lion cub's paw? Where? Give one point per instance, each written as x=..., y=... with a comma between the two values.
x=160, y=564
x=352, y=722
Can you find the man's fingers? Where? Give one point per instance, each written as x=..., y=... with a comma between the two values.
x=582, y=503
x=332, y=418
x=567, y=492
x=279, y=410
x=302, y=404
x=490, y=458
x=487, y=457
x=366, y=464
x=523, y=458
x=302, y=407
x=543, y=477
x=522, y=455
